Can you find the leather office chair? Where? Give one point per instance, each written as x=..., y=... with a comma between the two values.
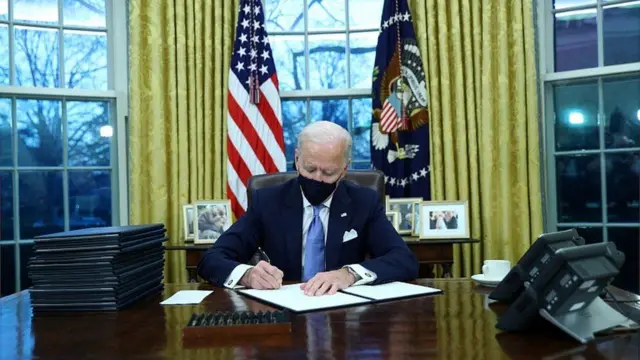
x=373, y=179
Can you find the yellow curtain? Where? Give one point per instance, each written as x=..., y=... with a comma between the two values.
x=480, y=61
x=178, y=61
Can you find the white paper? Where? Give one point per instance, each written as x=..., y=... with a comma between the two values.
x=293, y=298
x=391, y=290
x=184, y=297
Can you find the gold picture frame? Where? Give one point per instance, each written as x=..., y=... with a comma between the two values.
x=444, y=220
x=406, y=208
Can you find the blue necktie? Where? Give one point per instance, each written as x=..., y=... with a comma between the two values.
x=314, y=247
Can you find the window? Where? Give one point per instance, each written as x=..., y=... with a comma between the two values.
x=324, y=53
x=590, y=66
x=61, y=106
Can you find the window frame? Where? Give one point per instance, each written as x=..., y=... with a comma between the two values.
x=548, y=79
x=116, y=16
x=308, y=94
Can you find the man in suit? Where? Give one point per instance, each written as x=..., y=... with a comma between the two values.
x=316, y=228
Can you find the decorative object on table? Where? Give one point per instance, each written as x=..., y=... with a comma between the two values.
x=237, y=323
x=187, y=221
x=393, y=217
x=212, y=218
x=406, y=209
x=96, y=269
x=493, y=271
x=444, y=220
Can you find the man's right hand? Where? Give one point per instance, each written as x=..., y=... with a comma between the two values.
x=262, y=276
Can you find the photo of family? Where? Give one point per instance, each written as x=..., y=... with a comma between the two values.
x=444, y=220
x=187, y=219
x=406, y=209
x=212, y=218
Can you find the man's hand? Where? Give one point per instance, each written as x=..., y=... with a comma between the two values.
x=262, y=276
x=328, y=282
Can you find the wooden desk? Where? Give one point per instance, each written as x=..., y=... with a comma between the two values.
x=455, y=325
x=428, y=252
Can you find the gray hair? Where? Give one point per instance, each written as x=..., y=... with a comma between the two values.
x=322, y=132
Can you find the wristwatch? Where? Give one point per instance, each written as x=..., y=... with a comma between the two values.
x=352, y=272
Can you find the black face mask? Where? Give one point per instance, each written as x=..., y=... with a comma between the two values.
x=316, y=191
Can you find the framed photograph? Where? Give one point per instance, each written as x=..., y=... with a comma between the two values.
x=212, y=218
x=187, y=220
x=444, y=220
x=392, y=216
x=406, y=209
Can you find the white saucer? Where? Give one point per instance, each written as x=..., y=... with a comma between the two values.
x=480, y=279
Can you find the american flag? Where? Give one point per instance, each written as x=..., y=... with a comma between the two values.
x=255, y=143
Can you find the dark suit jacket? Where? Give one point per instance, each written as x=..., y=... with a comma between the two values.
x=274, y=222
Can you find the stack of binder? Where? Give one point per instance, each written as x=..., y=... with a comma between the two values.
x=97, y=269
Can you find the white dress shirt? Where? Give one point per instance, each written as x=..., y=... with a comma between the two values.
x=365, y=276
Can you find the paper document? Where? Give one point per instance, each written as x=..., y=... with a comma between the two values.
x=293, y=298
x=391, y=290
x=184, y=297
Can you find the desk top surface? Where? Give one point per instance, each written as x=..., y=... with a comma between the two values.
x=458, y=324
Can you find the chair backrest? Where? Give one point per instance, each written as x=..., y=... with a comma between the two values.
x=373, y=179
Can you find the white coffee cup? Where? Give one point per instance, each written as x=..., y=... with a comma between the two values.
x=495, y=269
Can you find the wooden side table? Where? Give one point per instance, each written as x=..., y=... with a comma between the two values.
x=429, y=253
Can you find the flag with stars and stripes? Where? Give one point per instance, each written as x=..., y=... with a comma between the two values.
x=399, y=127
x=255, y=142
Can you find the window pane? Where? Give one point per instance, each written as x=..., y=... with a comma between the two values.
x=576, y=116
x=85, y=59
x=627, y=240
x=561, y=4
x=36, y=57
x=576, y=42
x=578, y=188
x=284, y=15
x=6, y=136
x=84, y=123
x=622, y=112
x=39, y=132
x=326, y=15
x=288, y=53
x=41, y=206
x=7, y=271
x=4, y=59
x=4, y=9
x=84, y=13
x=621, y=33
x=327, y=61
x=294, y=115
x=369, y=19
x=361, y=129
x=6, y=206
x=362, y=49
x=89, y=199
x=26, y=251
x=361, y=166
x=591, y=235
x=623, y=187
x=36, y=11
x=330, y=110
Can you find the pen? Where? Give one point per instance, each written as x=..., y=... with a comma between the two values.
x=264, y=255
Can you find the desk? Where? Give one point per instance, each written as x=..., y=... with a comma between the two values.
x=455, y=325
x=428, y=252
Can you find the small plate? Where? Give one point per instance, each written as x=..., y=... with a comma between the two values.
x=480, y=279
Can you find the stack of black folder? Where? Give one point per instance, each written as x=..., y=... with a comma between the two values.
x=96, y=269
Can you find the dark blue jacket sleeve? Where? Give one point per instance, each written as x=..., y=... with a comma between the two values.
x=236, y=246
x=392, y=260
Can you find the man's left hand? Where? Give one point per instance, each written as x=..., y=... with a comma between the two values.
x=328, y=282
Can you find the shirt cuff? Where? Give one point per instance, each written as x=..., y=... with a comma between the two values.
x=366, y=276
x=236, y=275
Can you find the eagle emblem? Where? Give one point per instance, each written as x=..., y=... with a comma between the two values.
x=403, y=96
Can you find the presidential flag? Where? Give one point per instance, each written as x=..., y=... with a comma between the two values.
x=399, y=127
x=255, y=143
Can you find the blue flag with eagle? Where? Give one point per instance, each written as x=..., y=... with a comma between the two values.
x=399, y=127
